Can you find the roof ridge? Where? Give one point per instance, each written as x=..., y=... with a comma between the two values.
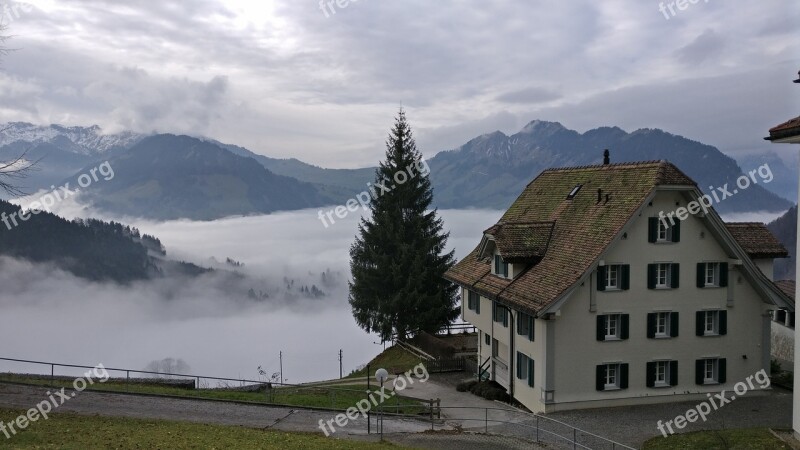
x=654, y=162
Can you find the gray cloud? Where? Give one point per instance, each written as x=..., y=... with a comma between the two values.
x=282, y=79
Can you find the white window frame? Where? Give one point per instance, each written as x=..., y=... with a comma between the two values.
x=662, y=373
x=663, y=324
x=712, y=274
x=612, y=377
x=664, y=232
x=712, y=366
x=710, y=323
x=613, y=323
x=613, y=273
x=663, y=271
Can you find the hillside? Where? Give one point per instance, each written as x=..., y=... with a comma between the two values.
x=785, y=228
x=172, y=177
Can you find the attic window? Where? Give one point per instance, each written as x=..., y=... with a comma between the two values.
x=574, y=192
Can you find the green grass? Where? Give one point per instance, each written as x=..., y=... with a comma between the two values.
x=339, y=398
x=393, y=358
x=748, y=439
x=72, y=431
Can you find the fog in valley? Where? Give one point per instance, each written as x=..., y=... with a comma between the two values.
x=209, y=323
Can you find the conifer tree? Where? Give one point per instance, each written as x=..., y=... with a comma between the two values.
x=398, y=257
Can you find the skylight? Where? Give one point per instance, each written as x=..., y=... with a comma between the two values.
x=574, y=192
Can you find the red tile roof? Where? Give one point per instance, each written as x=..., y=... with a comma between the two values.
x=756, y=239
x=787, y=286
x=583, y=227
x=790, y=128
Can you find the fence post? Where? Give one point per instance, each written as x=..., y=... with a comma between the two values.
x=128, y=380
x=198, y=383
x=438, y=408
x=431, y=414
x=486, y=422
x=52, y=373
x=574, y=438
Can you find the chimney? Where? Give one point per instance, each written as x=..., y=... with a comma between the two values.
x=599, y=195
x=606, y=157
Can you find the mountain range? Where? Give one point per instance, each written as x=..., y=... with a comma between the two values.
x=165, y=176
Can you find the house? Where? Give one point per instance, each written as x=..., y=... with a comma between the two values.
x=783, y=329
x=789, y=133
x=584, y=298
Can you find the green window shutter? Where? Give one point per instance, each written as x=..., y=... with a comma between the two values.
x=625, y=274
x=494, y=311
x=600, y=378
x=723, y=323
x=673, y=325
x=505, y=317
x=601, y=278
x=676, y=232
x=651, y=275
x=505, y=269
x=519, y=365
x=700, y=324
x=652, y=229
x=651, y=374
x=722, y=376
x=673, y=373
x=651, y=325
x=601, y=328
x=675, y=270
x=699, y=375
x=477, y=304
x=723, y=274
x=701, y=275
x=623, y=376
x=624, y=326
x=530, y=372
x=531, y=324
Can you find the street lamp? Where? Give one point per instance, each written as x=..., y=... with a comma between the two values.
x=381, y=375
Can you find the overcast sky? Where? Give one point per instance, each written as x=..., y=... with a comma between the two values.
x=287, y=79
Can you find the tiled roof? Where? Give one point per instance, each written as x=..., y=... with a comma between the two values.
x=521, y=242
x=757, y=240
x=785, y=130
x=787, y=286
x=583, y=227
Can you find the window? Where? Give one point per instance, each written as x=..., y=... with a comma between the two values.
x=525, y=325
x=613, y=327
x=612, y=377
x=574, y=192
x=525, y=368
x=487, y=339
x=613, y=277
x=712, y=274
x=500, y=266
x=663, y=231
x=500, y=314
x=710, y=371
x=662, y=373
x=712, y=323
x=473, y=302
x=662, y=325
x=663, y=276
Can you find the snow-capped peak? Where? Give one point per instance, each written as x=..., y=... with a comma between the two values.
x=87, y=140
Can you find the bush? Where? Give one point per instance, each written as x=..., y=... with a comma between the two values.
x=490, y=390
x=465, y=386
x=774, y=367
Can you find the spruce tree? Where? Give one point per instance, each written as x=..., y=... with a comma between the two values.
x=398, y=259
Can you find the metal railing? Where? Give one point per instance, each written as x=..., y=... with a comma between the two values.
x=205, y=387
x=534, y=428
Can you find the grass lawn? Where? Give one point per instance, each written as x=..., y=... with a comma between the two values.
x=393, y=357
x=316, y=397
x=71, y=431
x=748, y=439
